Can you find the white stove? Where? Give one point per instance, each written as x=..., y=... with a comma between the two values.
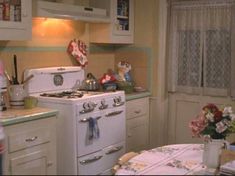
x=91, y=126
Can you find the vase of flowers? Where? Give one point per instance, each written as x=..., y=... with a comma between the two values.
x=214, y=125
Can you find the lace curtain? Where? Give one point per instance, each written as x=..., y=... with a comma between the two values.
x=200, y=41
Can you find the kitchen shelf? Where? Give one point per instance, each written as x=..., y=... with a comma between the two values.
x=122, y=17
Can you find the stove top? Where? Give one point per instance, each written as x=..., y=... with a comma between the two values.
x=70, y=94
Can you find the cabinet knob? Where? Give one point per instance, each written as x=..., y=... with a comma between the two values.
x=137, y=111
x=31, y=139
x=49, y=164
x=129, y=135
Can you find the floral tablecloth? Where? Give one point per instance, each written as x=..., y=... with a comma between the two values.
x=180, y=159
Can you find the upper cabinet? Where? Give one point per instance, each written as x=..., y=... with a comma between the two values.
x=120, y=30
x=15, y=19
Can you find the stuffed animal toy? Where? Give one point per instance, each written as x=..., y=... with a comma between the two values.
x=124, y=68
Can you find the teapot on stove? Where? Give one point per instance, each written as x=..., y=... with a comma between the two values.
x=90, y=83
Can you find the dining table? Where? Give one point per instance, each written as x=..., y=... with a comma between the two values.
x=176, y=159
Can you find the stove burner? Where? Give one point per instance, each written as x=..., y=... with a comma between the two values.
x=64, y=94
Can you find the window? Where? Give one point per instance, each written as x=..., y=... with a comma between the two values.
x=200, y=47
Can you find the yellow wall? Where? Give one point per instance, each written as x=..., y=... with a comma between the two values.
x=57, y=33
x=49, y=34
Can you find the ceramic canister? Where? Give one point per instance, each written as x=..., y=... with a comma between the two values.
x=17, y=95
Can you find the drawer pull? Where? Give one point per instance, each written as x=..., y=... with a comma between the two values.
x=113, y=150
x=137, y=111
x=86, y=120
x=118, y=104
x=31, y=139
x=84, y=162
x=113, y=113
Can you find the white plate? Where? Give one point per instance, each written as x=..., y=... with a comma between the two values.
x=17, y=103
x=139, y=89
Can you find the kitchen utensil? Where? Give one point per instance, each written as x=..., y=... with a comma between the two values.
x=8, y=77
x=3, y=90
x=15, y=79
x=27, y=79
x=90, y=83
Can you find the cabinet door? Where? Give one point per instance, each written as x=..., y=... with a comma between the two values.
x=31, y=148
x=123, y=17
x=137, y=134
x=29, y=164
x=120, y=30
x=18, y=23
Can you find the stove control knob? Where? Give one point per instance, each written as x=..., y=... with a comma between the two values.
x=85, y=105
x=103, y=102
x=88, y=107
x=92, y=105
x=118, y=101
x=103, y=105
x=115, y=100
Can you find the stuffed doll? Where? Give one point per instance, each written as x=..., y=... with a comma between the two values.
x=123, y=71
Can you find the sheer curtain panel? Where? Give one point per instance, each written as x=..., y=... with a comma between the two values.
x=200, y=47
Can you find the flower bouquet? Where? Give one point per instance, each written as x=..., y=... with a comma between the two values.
x=213, y=122
x=214, y=125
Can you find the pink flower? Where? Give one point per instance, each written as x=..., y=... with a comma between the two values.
x=198, y=125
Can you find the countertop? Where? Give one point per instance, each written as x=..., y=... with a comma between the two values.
x=14, y=116
x=136, y=95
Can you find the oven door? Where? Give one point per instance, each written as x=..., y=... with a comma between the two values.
x=101, y=161
x=112, y=129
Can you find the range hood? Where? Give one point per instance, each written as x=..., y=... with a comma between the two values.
x=59, y=10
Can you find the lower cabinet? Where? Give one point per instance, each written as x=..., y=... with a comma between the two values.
x=137, y=124
x=31, y=148
x=34, y=162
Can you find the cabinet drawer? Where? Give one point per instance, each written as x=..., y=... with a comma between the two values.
x=28, y=134
x=28, y=138
x=137, y=108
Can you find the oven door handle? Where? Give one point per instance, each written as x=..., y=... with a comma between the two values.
x=113, y=113
x=113, y=150
x=91, y=160
x=87, y=119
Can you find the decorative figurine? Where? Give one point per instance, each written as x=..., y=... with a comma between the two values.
x=124, y=68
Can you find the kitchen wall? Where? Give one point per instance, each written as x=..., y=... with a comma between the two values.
x=48, y=46
x=51, y=37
